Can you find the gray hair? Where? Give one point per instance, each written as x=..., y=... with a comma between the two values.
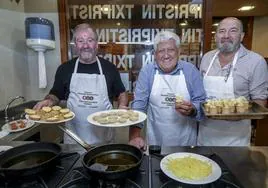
x=166, y=35
x=83, y=26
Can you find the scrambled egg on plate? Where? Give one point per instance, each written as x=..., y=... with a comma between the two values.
x=189, y=168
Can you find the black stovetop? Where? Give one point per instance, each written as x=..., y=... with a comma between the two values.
x=46, y=179
x=160, y=180
x=69, y=173
x=78, y=177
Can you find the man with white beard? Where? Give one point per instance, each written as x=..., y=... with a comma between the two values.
x=231, y=71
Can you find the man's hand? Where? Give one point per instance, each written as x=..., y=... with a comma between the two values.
x=49, y=100
x=138, y=142
x=185, y=108
x=46, y=102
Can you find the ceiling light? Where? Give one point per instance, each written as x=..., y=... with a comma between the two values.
x=215, y=24
x=213, y=32
x=246, y=8
x=183, y=24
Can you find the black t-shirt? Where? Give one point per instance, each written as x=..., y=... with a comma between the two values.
x=61, y=87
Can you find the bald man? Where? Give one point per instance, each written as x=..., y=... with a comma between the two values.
x=231, y=71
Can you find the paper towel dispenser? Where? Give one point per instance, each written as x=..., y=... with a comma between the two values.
x=40, y=37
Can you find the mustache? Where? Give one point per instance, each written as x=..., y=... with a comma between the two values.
x=86, y=50
x=226, y=40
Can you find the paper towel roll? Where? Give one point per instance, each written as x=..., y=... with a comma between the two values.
x=42, y=70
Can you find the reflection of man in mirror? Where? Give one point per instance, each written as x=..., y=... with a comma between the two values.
x=231, y=71
x=169, y=122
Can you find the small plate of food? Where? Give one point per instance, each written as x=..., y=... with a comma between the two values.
x=116, y=118
x=49, y=115
x=18, y=125
x=190, y=168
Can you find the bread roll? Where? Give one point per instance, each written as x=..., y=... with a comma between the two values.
x=52, y=119
x=179, y=99
x=122, y=120
x=68, y=115
x=133, y=118
x=56, y=108
x=35, y=117
x=64, y=111
x=46, y=109
x=29, y=111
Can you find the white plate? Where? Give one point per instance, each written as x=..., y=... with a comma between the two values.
x=216, y=170
x=49, y=122
x=142, y=117
x=28, y=124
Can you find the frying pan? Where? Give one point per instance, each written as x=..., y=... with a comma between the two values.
x=29, y=159
x=110, y=161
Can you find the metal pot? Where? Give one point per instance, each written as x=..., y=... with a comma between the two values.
x=111, y=161
x=29, y=159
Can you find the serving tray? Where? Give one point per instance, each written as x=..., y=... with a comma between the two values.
x=255, y=111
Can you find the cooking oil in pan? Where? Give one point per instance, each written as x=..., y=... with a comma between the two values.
x=28, y=160
x=113, y=162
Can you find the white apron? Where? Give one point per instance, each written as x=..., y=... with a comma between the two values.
x=165, y=126
x=88, y=94
x=221, y=132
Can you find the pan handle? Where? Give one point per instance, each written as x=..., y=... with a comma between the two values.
x=75, y=137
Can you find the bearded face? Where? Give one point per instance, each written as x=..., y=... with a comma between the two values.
x=86, y=45
x=229, y=36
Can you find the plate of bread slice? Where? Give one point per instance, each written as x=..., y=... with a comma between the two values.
x=49, y=115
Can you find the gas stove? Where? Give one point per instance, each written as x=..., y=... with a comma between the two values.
x=46, y=179
x=160, y=180
x=69, y=173
x=78, y=177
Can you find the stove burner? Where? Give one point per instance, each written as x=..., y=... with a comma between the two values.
x=34, y=182
x=79, y=178
x=47, y=179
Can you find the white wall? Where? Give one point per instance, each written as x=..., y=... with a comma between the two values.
x=18, y=64
x=260, y=36
x=46, y=9
x=13, y=61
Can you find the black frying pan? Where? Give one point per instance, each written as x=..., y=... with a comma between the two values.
x=29, y=159
x=111, y=161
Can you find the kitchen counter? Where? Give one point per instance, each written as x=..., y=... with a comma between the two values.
x=248, y=164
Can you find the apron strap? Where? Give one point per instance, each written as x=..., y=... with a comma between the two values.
x=232, y=64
